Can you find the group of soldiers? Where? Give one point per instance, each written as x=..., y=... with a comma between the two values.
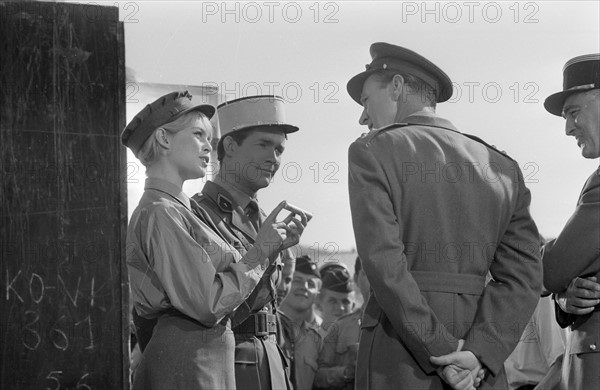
x=203, y=270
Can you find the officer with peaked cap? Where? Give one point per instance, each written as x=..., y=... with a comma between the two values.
x=572, y=260
x=253, y=135
x=302, y=340
x=425, y=213
x=181, y=270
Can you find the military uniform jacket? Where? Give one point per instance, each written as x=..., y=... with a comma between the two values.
x=433, y=212
x=183, y=272
x=233, y=224
x=259, y=363
x=576, y=252
x=338, y=352
x=303, y=342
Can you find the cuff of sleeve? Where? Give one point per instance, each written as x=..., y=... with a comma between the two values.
x=563, y=318
x=491, y=362
x=436, y=350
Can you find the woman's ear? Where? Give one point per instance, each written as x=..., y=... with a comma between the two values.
x=162, y=138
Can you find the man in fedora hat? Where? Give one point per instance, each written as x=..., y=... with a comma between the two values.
x=253, y=135
x=430, y=222
x=572, y=260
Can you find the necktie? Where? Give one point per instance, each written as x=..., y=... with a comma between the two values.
x=253, y=213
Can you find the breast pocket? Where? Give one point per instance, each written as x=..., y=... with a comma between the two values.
x=583, y=343
x=585, y=336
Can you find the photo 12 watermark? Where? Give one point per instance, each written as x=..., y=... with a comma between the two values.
x=270, y=12
x=470, y=11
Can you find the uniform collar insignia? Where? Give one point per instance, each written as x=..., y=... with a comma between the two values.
x=224, y=203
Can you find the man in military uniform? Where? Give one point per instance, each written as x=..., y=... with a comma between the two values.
x=434, y=211
x=572, y=260
x=253, y=135
x=302, y=340
x=287, y=273
x=337, y=297
x=337, y=358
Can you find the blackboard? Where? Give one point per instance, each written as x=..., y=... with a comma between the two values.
x=63, y=281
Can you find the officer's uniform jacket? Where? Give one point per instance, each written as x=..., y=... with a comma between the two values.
x=433, y=212
x=338, y=352
x=259, y=362
x=576, y=252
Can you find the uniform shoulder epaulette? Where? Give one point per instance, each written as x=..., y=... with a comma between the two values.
x=225, y=205
x=199, y=197
x=368, y=137
x=477, y=139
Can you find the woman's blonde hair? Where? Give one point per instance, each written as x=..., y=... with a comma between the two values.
x=150, y=150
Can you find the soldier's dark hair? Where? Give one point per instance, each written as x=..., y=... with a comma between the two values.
x=416, y=84
x=237, y=136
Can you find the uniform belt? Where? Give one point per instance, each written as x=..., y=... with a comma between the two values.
x=259, y=324
x=449, y=282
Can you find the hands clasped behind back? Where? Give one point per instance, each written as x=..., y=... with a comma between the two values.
x=581, y=297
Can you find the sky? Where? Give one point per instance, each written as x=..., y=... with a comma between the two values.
x=504, y=58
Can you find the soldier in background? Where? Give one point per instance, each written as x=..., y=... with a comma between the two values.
x=337, y=297
x=287, y=273
x=300, y=329
x=337, y=358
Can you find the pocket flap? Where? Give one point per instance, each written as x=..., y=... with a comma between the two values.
x=245, y=353
x=583, y=343
x=372, y=314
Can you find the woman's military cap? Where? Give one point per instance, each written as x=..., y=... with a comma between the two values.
x=163, y=110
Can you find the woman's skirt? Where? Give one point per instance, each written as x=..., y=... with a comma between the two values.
x=183, y=354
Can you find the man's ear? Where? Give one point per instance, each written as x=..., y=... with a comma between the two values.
x=397, y=86
x=229, y=145
x=162, y=138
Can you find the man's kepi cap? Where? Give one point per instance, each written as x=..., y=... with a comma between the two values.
x=580, y=74
x=386, y=56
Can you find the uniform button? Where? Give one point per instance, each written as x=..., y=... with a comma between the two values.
x=593, y=347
